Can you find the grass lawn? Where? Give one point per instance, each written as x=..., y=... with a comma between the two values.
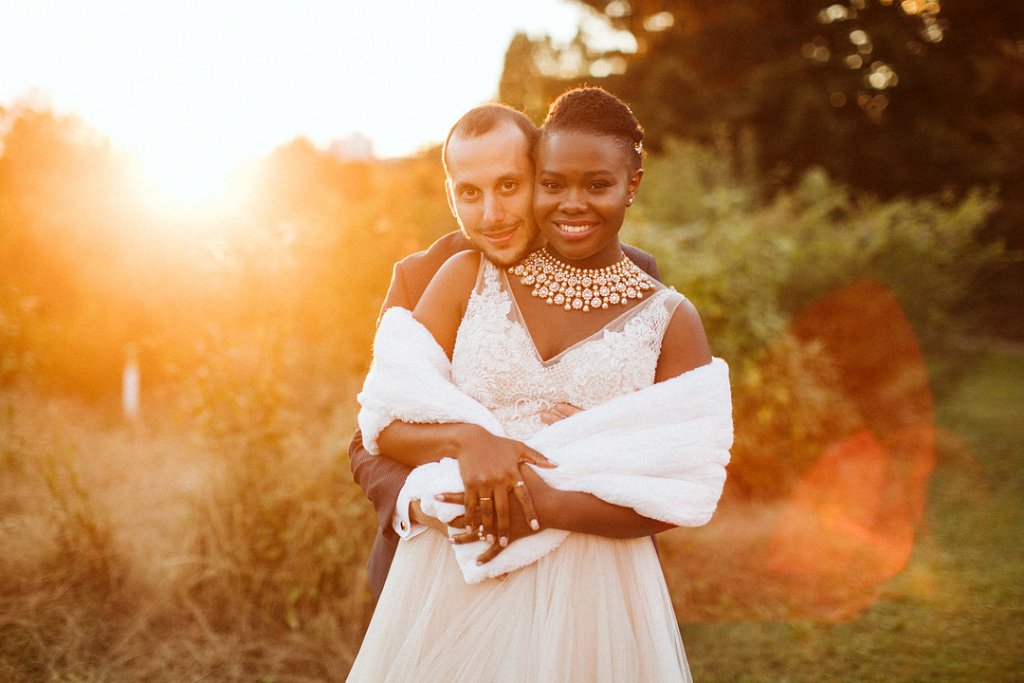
x=956, y=612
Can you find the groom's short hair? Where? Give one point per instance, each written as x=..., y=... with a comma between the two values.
x=485, y=118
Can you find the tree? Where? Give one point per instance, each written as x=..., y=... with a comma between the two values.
x=893, y=97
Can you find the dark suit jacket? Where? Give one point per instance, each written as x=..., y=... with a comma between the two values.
x=382, y=478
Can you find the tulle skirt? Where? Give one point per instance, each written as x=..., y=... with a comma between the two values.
x=595, y=609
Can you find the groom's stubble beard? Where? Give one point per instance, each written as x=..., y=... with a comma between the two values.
x=506, y=257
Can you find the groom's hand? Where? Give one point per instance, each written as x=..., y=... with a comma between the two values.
x=559, y=411
x=418, y=516
x=489, y=466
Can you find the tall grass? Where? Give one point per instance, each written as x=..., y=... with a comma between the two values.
x=159, y=554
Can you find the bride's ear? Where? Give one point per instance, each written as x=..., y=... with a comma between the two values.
x=633, y=186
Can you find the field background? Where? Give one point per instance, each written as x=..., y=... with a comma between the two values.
x=836, y=186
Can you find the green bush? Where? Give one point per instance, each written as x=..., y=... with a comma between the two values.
x=752, y=267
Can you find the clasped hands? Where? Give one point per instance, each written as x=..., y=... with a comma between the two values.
x=499, y=496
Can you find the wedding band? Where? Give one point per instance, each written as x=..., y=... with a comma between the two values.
x=480, y=535
x=483, y=498
x=518, y=484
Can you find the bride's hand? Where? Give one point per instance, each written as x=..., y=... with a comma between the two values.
x=489, y=466
x=521, y=525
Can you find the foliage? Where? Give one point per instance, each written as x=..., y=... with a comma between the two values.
x=752, y=269
x=893, y=98
x=283, y=547
x=236, y=551
x=93, y=266
x=172, y=554
x=953, y=614
x=254, y=328
x=59, y=545
x=850, y=86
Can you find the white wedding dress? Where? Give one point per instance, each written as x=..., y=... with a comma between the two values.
x=595, y=608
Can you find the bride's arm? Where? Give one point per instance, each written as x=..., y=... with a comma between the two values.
x=684, y=347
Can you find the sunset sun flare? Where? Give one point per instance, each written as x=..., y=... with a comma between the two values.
x=196, y=89
x=186, y=177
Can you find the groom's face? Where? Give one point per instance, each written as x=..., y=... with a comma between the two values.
x=490, y=191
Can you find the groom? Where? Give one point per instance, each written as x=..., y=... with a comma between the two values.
x=488, y=164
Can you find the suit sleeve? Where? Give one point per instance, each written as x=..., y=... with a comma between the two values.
x=652, y=267
x=381, y=478
x=643, y=259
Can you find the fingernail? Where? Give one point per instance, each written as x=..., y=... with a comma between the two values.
x=490, y=538
x=503, y=542
x=478, y=563
x=451, y=539
x=535, y=525
x=439, y=497
x=469, y=528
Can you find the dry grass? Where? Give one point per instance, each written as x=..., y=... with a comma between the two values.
x=142, y=555
x=164, y=554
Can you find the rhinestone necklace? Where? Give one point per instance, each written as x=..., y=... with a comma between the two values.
x=581, y=289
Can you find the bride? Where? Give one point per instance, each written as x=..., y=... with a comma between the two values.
x=575, y=323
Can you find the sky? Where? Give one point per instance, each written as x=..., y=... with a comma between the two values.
x=196, y=88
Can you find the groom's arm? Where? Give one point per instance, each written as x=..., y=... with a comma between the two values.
x=382, y=478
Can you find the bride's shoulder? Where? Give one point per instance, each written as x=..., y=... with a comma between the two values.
x=466, y=260
x=685, y=344
x=459, y=272
x=442, y=305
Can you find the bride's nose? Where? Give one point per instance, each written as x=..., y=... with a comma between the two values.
x=572, y=202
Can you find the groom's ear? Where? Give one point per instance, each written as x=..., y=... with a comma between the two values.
x=449, y=194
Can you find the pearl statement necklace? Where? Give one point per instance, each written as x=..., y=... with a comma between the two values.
x=581, y=289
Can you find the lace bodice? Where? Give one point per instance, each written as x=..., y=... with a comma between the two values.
x=497, y=363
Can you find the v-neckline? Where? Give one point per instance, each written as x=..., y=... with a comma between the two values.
x=558, y=356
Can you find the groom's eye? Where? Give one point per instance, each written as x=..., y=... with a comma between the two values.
x=509, y=186
x=469, y=193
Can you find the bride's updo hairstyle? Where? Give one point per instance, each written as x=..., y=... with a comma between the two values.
x=597, y=111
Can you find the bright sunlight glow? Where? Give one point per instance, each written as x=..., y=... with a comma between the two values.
x=195, y=89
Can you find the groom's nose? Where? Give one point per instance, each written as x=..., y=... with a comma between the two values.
x=494, y=209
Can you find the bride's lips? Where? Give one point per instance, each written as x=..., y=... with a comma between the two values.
x=574, y=230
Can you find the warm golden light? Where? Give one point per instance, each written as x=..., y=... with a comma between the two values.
x=187, y=177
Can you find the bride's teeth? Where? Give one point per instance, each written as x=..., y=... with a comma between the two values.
x=573, y=229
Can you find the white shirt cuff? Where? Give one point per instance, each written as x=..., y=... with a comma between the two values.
x=400, y=521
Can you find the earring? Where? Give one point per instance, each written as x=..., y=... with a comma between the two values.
x=629, y=201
